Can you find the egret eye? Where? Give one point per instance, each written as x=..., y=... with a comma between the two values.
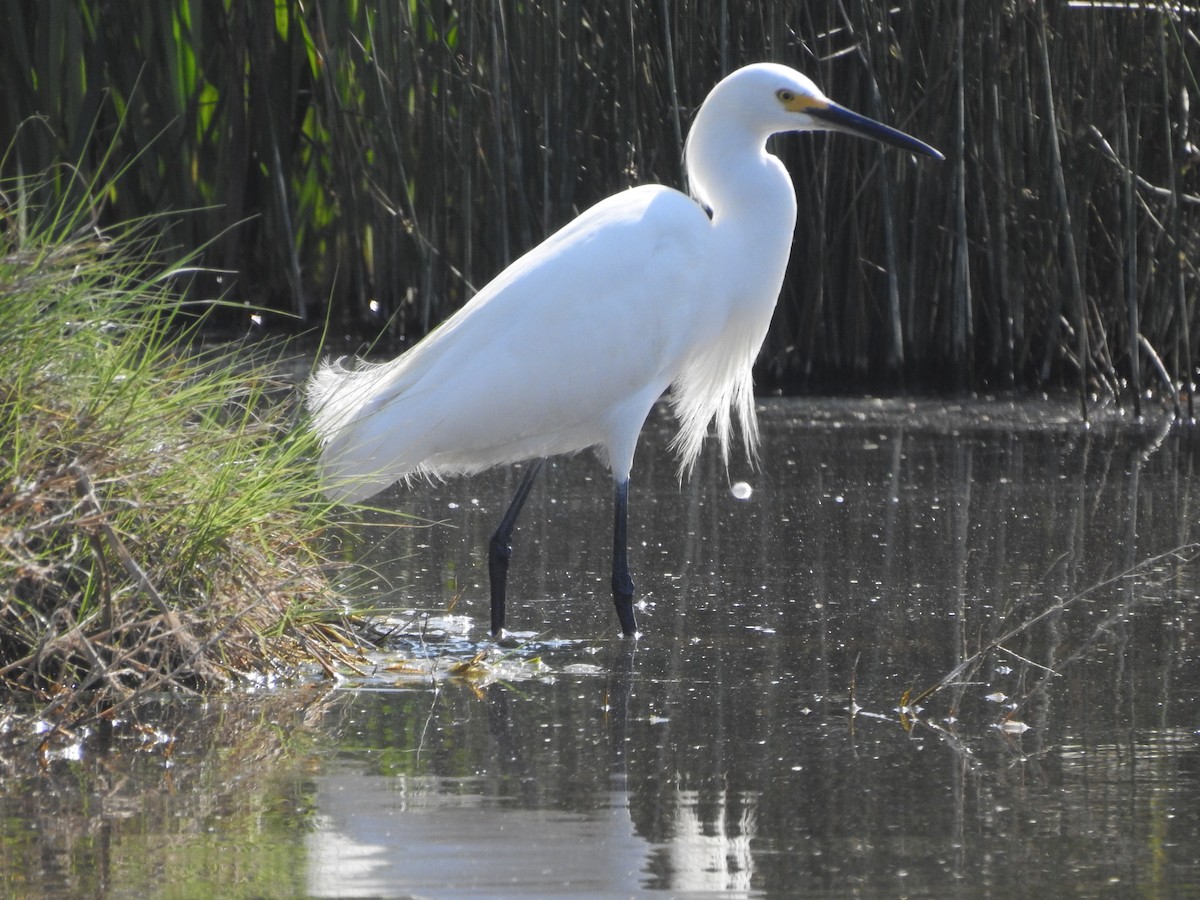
x=785, y=96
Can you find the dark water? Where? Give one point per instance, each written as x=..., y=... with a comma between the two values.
x=937, y=651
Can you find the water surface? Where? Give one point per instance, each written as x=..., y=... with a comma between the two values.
x=923, y=650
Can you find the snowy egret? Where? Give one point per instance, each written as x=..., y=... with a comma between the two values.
x=571, y=345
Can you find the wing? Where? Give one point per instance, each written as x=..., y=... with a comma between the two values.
x=567, y=348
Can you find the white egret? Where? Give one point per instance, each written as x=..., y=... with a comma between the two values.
x=571, y=345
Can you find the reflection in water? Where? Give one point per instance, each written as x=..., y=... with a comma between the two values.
x=378, y=836
x=203, y=804
x=497, y=833
x=708, y=855
x=933, y=652
x=882, y=547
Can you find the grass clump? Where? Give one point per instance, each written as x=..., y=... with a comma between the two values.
x=160, y=517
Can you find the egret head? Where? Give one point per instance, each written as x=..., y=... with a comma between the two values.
x=772, y=98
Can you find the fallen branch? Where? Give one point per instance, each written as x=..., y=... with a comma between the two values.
x=1185, y=553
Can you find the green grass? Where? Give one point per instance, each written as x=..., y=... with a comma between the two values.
x=161, y=523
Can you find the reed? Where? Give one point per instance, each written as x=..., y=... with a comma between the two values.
x=382, y=160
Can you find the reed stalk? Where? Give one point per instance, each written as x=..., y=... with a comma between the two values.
x=379, y=162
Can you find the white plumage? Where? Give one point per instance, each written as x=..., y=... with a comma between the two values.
x=571, y=345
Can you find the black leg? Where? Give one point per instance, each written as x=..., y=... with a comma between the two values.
x=622, y=584
x=500, y=547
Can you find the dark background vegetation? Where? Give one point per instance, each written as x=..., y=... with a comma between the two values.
x=374, y=163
